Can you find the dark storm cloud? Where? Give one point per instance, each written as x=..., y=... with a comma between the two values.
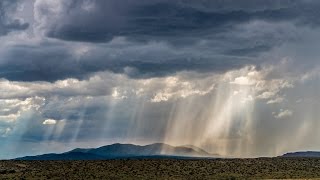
x=58, y=61
x=100, y=21
x=160, y=37
x=7, y=23
x=25, y=63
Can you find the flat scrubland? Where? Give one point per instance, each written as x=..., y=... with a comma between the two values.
x=260, y=168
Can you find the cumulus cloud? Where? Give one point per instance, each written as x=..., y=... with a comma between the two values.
x=49, y=122
x=283, y=114
x=242, y=80
x=266, y=95
x=97, y=85
x=276, y=100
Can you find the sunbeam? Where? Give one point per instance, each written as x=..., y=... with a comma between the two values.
x=236, y=79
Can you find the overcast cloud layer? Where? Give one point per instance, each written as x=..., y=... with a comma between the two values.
x=235, y=77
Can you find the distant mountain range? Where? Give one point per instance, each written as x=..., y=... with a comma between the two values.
x=120, y=151
x=302, y=154
x=131, y=151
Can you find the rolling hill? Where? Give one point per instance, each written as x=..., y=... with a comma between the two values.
x=302, y=154
x=119, y=151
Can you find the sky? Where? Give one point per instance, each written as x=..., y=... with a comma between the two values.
x=239, y=78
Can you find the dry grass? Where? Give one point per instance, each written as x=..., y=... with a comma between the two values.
x=268, y=168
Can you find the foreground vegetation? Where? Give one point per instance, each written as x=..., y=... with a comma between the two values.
x=164, y=169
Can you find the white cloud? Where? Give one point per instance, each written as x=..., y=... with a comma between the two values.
x=12, y=109
x=49, y=122
x=242, y=80
x=283, y=114
x=276, y=100
x=266, y=95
